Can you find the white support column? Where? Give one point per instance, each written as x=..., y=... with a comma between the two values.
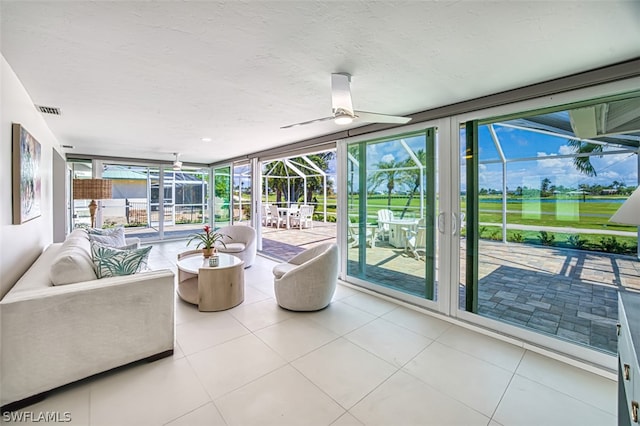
x=148, y=197
x=503, y=159
x=161, y=202
x=324, y=188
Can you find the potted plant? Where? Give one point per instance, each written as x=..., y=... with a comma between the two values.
x=207, y=240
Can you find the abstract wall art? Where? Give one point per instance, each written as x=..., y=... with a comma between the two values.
x=26, y=175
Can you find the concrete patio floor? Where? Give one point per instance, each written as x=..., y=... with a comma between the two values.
x=571, y=294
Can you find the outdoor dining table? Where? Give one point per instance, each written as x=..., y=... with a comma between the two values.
x=397, y=230
x=287, y=211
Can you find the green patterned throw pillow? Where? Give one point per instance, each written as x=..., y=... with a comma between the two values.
x=112, y=262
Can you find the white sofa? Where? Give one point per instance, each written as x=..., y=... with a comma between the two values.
x=52, y=335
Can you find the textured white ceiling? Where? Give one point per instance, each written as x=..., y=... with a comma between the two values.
x=146, y=79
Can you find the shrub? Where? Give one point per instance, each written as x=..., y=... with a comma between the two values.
x=481, y=231
x=516, y=237
x=576, y=241
x=545, y=238
x=612, y=245
x=496, y=234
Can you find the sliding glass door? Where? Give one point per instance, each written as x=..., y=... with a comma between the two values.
x=242, y=193
x=537, y=191
x=391, y=208
x=222, y=196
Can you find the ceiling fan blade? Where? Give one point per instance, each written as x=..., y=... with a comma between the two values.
x=372, y=117
x=317, y=120
x=341, y=93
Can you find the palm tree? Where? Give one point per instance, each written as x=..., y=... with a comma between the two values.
x=277, y=168
x=414, y=176
x=387, y=174
x=583, y=164
x=314, y=183
x=544, y=187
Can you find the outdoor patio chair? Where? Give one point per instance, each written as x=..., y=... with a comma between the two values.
x=384, y=216
x=275, y=216
x=353, y=230
x=307, y=281
x=417, y=239
x=303, y=217
x=266, y=215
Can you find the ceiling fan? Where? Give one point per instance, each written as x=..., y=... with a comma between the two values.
x=177, y=164
x=343, y=112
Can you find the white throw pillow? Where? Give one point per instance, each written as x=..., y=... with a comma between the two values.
x=112, y=239
x=104, y=231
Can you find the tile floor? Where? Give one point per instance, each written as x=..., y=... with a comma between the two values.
x=361, y=361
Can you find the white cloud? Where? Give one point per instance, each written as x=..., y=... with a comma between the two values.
x=387, y=158
x=565, y=150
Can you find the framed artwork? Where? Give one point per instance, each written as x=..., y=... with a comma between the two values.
x=26, y=175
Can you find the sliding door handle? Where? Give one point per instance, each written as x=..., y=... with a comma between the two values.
x=454, y=223
x=441, y=222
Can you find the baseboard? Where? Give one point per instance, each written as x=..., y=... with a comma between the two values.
x=30, y=400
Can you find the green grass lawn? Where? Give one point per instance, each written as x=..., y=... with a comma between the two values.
x=593, y=213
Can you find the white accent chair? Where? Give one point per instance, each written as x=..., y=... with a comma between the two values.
x=303, y=217
x=266, y=214
x=240, y=241
x=307, y=281
x=384, y=216
x=417, y=239
x=275, y=216
x=353, y=230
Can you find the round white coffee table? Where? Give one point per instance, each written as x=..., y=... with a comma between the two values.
x=212, y=288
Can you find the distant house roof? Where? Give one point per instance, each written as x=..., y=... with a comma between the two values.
x=125, y=173
x=118, y=173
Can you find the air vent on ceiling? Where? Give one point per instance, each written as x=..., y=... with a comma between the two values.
x=48, y=110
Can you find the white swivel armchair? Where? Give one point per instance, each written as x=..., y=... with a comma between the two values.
x=240, y=241
x=308, y=280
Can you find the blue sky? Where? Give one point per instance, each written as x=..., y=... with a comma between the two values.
x=523, y=144
x=516, y=143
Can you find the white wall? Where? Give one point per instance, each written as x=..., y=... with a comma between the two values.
x=20, y=245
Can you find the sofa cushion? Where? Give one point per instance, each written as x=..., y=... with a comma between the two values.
x=111, y=262
x=232, y=247
x=114, y=238
x=73, y=263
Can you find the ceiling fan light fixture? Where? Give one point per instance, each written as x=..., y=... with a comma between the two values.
x=342, y=119
x=177, y=164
